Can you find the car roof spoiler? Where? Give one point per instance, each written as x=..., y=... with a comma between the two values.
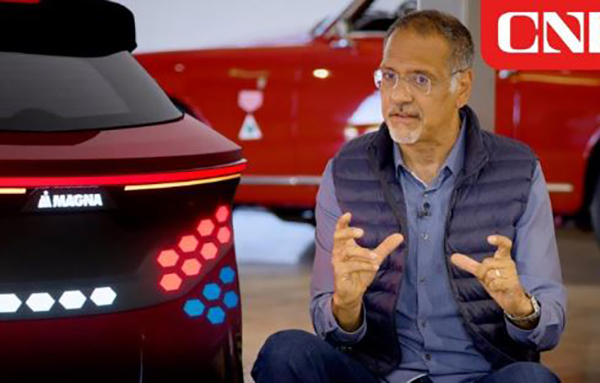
x=82, y=28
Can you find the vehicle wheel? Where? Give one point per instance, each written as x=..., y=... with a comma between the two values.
x=233, y=358
x=295, y=215
x=595, y=211
x=583, y=221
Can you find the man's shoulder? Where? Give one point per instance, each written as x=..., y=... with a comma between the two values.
x=502, y=147
x=356, y=147
x=352, y=161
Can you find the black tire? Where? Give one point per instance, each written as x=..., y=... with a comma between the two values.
x=595, y=211
x=233, y=358
x=295, y=215
x=583, y=221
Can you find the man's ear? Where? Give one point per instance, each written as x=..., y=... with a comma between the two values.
x=464, y=88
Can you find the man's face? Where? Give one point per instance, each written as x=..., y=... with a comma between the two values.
x=411, y=114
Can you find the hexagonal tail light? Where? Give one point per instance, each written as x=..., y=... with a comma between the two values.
x=9, y=303
x=190, y=252
x=222, y=214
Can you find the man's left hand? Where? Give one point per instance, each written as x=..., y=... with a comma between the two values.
x=498, y=275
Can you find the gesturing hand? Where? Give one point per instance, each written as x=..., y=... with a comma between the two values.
x=354, y=267
x=498, y=275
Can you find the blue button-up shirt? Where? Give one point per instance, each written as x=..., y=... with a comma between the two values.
x=429, y=327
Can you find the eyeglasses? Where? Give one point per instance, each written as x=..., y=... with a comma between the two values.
x=387, y=79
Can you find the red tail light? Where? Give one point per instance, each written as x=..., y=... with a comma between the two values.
x=224, y=235
x=206, y=227
x=168, y=258
x=194, y=250
x=222, y=214
x=188, y=244
x=20, y=1
x=191, y=267
x=170, y=282
x=134, y=181
x=209, y=251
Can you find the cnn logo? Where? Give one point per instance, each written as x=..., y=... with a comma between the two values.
x=549, y=34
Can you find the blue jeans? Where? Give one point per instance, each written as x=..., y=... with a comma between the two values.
x=297, y=356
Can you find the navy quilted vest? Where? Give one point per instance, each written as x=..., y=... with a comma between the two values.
x=489, y=197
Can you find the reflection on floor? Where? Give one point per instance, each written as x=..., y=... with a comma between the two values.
x=276, y=298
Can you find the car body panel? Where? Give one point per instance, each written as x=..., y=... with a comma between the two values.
x=556, y=113
x=185, y=144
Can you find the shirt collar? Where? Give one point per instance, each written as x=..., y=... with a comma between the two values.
x=455, y=160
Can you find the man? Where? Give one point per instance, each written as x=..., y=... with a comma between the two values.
x=436, y=258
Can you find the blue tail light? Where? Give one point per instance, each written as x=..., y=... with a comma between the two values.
x=227, y=275
x=216, y=315
x=194, y=308
x=230, y=300
x=212, y=291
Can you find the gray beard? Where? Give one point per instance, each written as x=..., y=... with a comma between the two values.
x=406, y=139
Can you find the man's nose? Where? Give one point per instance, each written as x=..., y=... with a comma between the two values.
x=401, y=92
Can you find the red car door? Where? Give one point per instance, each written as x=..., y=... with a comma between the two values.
x=338, y=100
x=557, y=114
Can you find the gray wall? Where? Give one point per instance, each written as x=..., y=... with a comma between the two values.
x=184, y=24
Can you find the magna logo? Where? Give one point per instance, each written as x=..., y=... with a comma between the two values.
x=541, y=34
x=60, y=201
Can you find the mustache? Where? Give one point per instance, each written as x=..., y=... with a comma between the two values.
x=403, y=108
x=403, y=111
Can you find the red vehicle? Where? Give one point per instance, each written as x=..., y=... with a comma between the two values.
x=117, y=261
x=291, y=104
x=556, y=113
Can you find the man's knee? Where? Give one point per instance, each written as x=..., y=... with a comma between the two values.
x=289, y=349
x=532, y=372
x=288, y=343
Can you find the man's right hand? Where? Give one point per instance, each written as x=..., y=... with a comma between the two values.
x=354, y=268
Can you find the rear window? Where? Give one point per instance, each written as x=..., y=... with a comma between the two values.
x=42, y=93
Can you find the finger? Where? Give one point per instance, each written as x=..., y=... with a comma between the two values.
x=388, y=245
x=345, y=237
x=495, y=263
x=491, y=267
x=465, y=263
x=343, y=222
x=345, y=234
x=503, y=243
x=357, y=252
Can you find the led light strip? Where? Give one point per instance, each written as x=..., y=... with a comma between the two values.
x=180, y=184
x=20, y=1
x=12, y=191
x=123, y=180
x=70, y=300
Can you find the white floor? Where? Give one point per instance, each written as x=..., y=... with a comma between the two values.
x=261, y=237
